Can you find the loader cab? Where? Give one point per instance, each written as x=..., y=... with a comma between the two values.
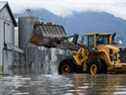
x=92, y=40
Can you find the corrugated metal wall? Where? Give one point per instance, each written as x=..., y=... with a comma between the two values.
x=7, y=26
x=44, y=60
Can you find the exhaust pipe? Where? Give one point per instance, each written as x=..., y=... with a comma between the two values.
x=113, y=36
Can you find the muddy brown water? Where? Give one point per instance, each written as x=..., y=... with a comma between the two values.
x=74, y=84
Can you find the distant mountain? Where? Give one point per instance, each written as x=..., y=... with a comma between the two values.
x=81, y=22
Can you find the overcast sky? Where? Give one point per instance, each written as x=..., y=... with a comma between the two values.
x=66, y=7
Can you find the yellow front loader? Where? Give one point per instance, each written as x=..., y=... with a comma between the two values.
x=99, y=54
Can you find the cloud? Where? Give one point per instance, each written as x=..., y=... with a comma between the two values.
x=67, y=7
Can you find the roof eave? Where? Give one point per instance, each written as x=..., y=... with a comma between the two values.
x=13, y=19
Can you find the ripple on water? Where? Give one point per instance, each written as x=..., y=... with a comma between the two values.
x=63, y=85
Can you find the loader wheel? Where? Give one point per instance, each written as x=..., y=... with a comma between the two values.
x=66, y=67
x=93, y=69
x=97, y=66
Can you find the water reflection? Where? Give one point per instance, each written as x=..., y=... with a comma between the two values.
x=79, y=84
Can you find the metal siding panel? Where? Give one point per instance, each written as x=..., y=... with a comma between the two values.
x=9, y=33
x=45, y=60
x=1, y=40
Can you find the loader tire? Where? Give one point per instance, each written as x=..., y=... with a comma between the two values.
x=66, y=66
x=97, y=66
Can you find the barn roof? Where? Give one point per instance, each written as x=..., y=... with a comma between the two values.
x=4, y=4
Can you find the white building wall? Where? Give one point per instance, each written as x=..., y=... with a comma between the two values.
x=1, y=39
x=5, y=19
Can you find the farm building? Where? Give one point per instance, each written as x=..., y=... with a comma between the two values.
x=7, y=26
x=35, y=37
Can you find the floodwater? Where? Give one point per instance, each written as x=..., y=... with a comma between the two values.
x=74, y=84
